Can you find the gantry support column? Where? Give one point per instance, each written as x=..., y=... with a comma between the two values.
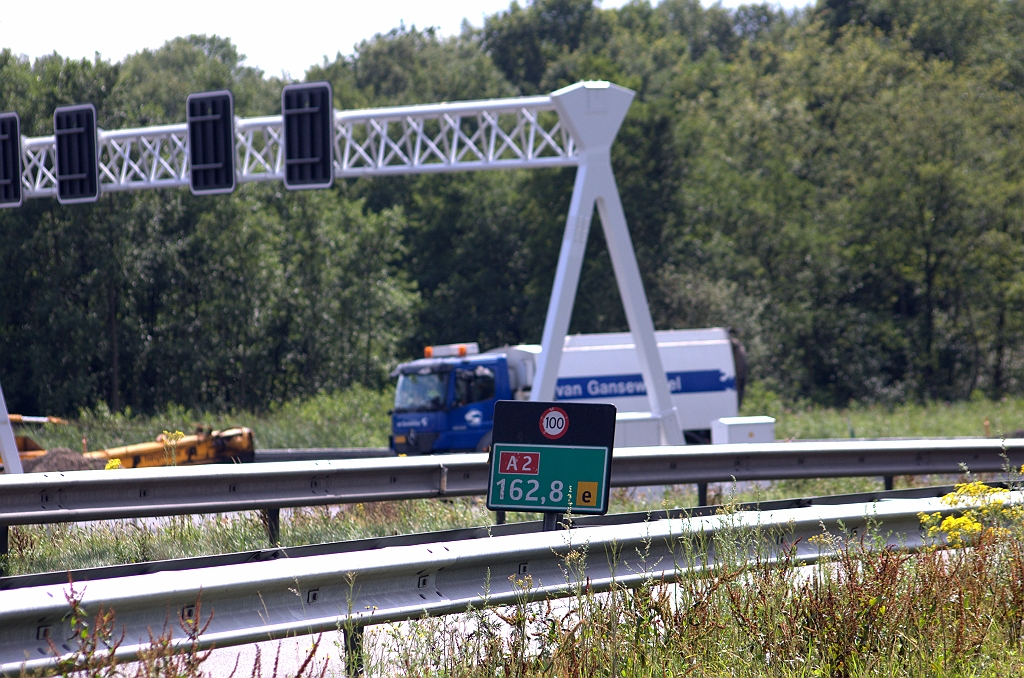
x=593, y=113
x=8, y=448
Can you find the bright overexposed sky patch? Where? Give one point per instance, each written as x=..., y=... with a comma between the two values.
x=278, y=37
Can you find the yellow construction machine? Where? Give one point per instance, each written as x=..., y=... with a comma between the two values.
x=205, y=446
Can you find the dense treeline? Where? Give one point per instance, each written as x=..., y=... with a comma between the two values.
x=843, y=186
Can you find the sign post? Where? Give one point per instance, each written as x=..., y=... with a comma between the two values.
x=551, y=457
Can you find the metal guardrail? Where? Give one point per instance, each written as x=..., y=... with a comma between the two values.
x=39, y=498
x=458, y=534
x=317, y=453
x=271, y=600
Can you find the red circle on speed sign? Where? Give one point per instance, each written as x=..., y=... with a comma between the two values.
x=554, y=423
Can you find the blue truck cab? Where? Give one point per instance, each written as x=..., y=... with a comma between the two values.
x=446, y=404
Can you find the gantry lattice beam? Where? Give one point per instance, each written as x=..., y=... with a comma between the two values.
x=472, y=135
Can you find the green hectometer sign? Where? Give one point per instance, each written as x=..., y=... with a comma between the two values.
x=528, y=477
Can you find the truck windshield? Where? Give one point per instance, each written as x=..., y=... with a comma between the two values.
x=421, y=392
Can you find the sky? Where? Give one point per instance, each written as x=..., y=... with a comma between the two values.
x=280, y=37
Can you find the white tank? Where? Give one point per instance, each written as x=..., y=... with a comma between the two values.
x=605, y=368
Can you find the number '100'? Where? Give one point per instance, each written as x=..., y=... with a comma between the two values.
x=517, y=492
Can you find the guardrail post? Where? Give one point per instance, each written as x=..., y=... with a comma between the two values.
x=702, y=494
x=888, y=482
x=354, y=660
x=4, y=544
x=271, y=519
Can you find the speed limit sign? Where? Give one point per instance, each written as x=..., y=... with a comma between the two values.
x=554, y=423
x=551, y=458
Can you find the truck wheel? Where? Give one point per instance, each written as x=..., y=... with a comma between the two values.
x=485, y=443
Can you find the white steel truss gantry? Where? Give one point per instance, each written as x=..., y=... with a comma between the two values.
x=472, y=135
x=574, y=126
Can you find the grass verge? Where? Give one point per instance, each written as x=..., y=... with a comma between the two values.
x=804, y=421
